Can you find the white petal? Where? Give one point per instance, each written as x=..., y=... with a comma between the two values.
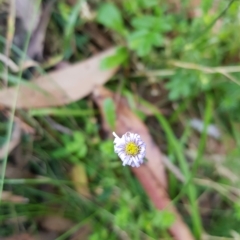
x=127, y=160
x=136, y=161
x=141, y=160
x=141, y=156
x=142, y=149
x=122, y=156
x=115, y=135
x=128, y=136
x=118, y=141
x=119, y=147
x=133, y=137
x=137, y=137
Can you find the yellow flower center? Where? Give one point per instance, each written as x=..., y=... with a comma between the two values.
x=132, y=148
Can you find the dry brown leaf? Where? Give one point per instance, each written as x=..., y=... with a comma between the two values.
x=79, y=178
x=56, y=223
x=15, y=140
x=60, y=87
x=160, y=198
x=151, y=174
x=24, y=126
x=18, y=120
x=28, y=63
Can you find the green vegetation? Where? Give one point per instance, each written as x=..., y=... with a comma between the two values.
x=179, y=62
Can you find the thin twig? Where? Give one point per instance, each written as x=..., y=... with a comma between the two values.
x=59, y=127
x=173, y=169
x=222, y=70
x=9, y=63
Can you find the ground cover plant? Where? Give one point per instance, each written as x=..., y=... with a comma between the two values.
x=170, y=71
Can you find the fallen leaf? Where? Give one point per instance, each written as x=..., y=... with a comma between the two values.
x=152, y=174
x=18, y=120
x=15, y=140
x=60, y=87
x=79, y=178
x=56, y=223
x=24, y=126
x=28, y=63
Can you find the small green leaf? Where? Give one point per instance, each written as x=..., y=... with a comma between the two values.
x=120, y=57
x=59, y=153
x=136, y=5
x=110, y=16
x=131, y=6
x=72, y=147
x=64, y=10
x=143, y=41
x=82, y=151
x=109, y=112
x=148, y=3
x=151, y=23
x=78, y=137
x=206, y=6
x=145, y=22
x=163, y=219
x=107, y=150
x=70, y=26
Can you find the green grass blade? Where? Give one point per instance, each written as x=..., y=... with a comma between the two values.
x=60, y=112
x=11, y=120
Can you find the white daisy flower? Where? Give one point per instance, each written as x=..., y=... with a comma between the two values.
x=130, y=148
